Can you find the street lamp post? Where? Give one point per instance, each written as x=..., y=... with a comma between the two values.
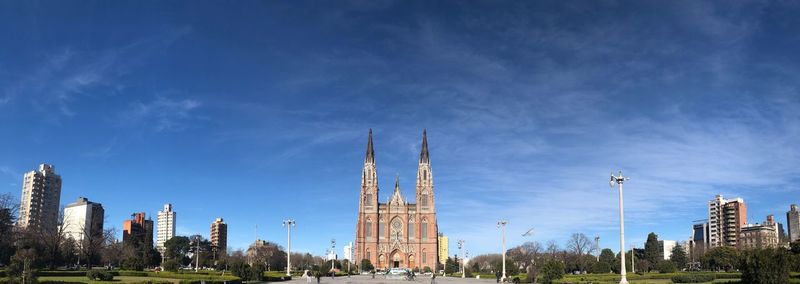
x=502, y=225
x=461, y=251
x=619, y=180
x=289, y=223
x=633, y=258
x=333, y=252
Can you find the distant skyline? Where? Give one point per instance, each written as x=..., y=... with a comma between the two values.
x=259, y=111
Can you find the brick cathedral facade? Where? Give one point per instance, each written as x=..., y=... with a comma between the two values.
x=398, y=233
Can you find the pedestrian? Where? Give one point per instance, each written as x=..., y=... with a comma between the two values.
x=373, y=274
x=318, y=275
x=433, y=278
x=497, y=274
x=307, y=276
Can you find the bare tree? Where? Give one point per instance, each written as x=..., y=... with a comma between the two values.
x=579, y=244
x=552, y=249
x=112, y=251
x=8, y=216
x=52, y=239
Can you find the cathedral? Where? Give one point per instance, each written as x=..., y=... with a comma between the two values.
x=411, y=238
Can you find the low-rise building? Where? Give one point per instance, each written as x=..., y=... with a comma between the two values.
x=764, y=235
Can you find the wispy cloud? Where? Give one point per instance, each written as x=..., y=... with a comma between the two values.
x=162, y=114
x=68, y=74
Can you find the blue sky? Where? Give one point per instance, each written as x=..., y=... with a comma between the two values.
x=256, y=111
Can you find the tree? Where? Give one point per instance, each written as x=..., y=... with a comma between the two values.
x=552, y=270
x=8, y=216
x=605, y=263
x=652, y=251
x=765, y=266
x=579, y=244
x=665, y=266
x=725, y=258
x=451, y=266
x=678, y=257
x=528, y=257
x=22, y=268
x=177, y=248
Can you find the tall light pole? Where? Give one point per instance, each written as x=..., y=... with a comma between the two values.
x=289, y=223
x=461, y=251
x=333, y=252
x=619, y=180
x=633, y=258
x=197, y=253
x=502, y=225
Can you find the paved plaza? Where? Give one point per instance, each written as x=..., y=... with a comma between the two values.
x=381, y=280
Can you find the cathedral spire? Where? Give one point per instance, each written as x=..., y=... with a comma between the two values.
x=370, y=158
x=397, y=182
x=424, y=157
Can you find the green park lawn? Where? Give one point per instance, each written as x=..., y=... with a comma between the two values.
x=117, y=279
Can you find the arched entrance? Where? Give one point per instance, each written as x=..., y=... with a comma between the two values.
x=396, y=259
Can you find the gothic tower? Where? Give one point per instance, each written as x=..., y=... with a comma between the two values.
x=425, y=203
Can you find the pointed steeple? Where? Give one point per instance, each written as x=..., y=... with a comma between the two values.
x=370, y=158
x=397, y=196
x=424, y=157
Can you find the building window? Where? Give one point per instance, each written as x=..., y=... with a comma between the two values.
x=424, y=230
x=423, y=199
x=369, y=199
x=424, y=257
x=411, y=228
x=424, y=174
x=397, y=230
x=368, y=228
x=381, y=229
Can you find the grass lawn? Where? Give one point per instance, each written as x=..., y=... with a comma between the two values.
x=117, y=279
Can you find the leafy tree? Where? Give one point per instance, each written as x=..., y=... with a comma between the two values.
x=366, y=265
x=171, y=265
x=176, y=248
x=451, y=266
x=725, y=258
x=607, y=256
x=795, y=247
x=601, y=267
x=665, y=266
x=652, y=250
x=765, y=266
x=679, y=257
x=552, y=270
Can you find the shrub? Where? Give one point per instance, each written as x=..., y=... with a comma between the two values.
x=170, y=265
x=765, y=266
x=552, y=270
x=666, y=266
x=426, y=269
x=693, y=278
x=99, y=275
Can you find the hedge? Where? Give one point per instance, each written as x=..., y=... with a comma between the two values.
x=693, y=278
x=195, y=281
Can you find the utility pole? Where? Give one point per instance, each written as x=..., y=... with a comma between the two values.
x=619, y=180
x=502, y=225
x=289, y=223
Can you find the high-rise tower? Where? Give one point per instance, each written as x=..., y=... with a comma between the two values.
x=219, y=237
x=165, y=226
x=41, y=195
x=793, y=223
